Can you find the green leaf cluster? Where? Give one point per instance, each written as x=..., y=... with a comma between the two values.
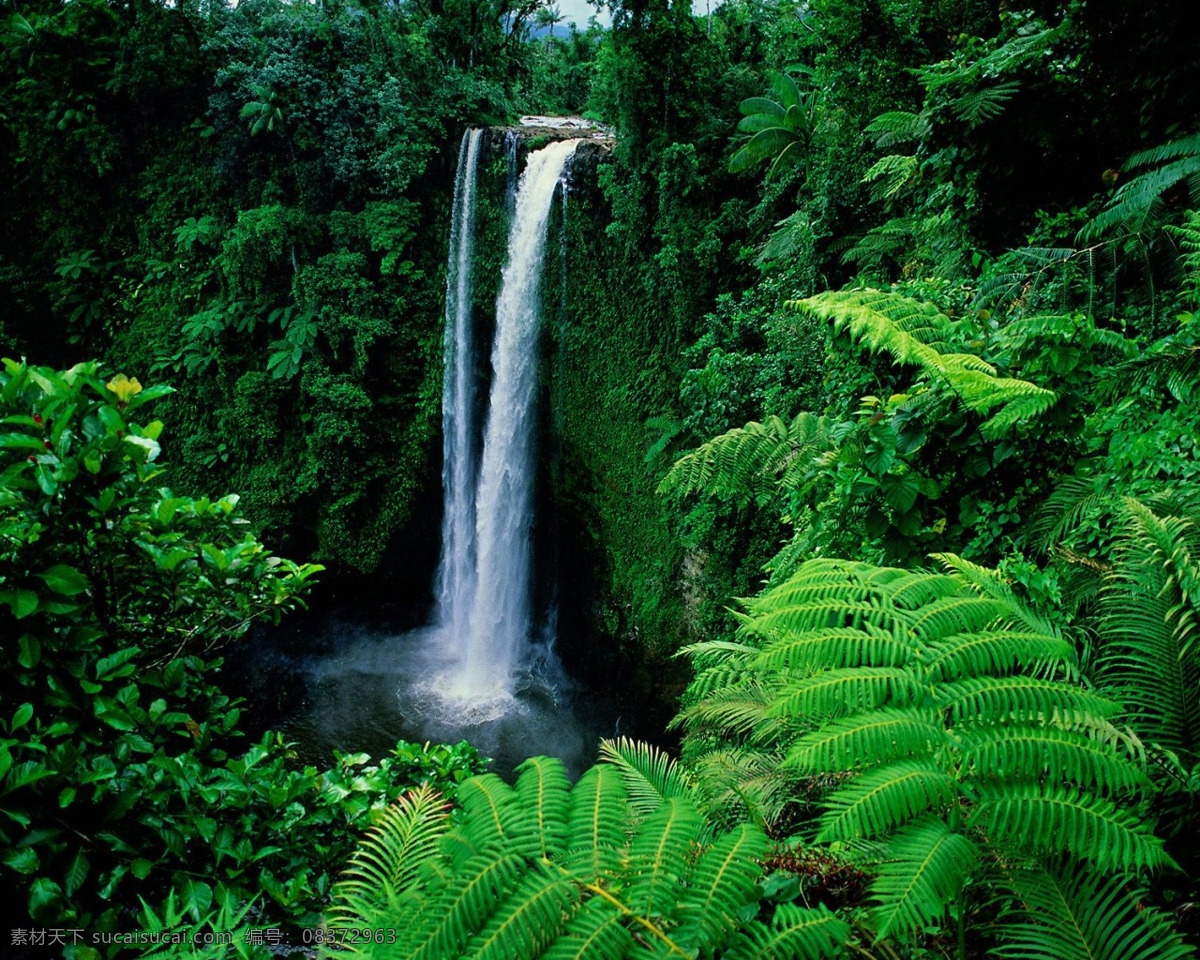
x=965, y=758
x=546, y=869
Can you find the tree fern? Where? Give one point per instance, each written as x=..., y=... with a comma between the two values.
x=1067, y=912
x=1138, y=205
x=541, y=869
x=917, y=334
x=950, y=714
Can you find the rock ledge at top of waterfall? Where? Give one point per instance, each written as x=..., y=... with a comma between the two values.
x=577, y=125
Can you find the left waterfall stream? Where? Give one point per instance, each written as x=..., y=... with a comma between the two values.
x=484, y=668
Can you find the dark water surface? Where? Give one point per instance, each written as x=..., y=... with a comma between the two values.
x=354, y=686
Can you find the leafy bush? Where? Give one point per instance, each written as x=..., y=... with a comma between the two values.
x=119, y=780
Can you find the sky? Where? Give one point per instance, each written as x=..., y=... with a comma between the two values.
x=580, y=11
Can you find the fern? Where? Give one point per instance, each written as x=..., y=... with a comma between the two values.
x=651, y=777
x=948, y=714
x=1070, y=913
x=1150, y=628
x=1188, y=236
x=891, y=174
x=898, y=126
x=925, y=869
x=1137, y=206
x=749, y=464
x=986, y=103
x=917, y=334
x=539, y=869
x=388, y=859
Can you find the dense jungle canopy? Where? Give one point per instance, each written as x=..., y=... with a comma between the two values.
x=870, y=436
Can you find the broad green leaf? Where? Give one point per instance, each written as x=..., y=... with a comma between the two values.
x=21, y=602
x=21, y=717
x=76, y=873
x=64, y=579
x=42, y=893
x=901, y=491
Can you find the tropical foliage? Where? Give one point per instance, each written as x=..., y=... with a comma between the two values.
x=544, y=868
x=852, y=284
x=958, y=743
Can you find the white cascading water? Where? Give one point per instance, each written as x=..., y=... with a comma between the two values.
x=489, y=634
x=482, y=669
x=456, y=571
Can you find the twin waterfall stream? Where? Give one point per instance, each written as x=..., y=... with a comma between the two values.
x=483, y=669
x=483, y=620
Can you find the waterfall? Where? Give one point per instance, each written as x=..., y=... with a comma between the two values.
x=486, y=624
x=484, y=667
x=457, y=568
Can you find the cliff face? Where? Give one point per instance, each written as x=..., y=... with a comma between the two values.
x=607, y=564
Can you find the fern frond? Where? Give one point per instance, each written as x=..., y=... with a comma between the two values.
x=740, y=709
x=720, y=884
x=1137, y=204
x=717, y=679
x=995, y=652
x=1150, y=624
x=387, y=860
x=881, y=736
x=615, y=884
x=1072, y=913
x=1072, y=499
x=543, y=794
x=1019, y=698
x=898, y=126
x=491, y=811
x=921, y=698
x=451, y=916
x=530, y=917
x=795, y=933
x=925, y=868
x=836, y=646
x=651, y=777
x=989, y=583
x=1053, y=756
x=659, y=855
x=743, y=783
x=1052, y=821
x=891, y=174
x=834, y=691
x=1187, y=234
x=986, y=103
x=955, y=615
x=880, y=800
x=916, y=333
x=746, y=463
x=594, y=933
x=599, y=818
